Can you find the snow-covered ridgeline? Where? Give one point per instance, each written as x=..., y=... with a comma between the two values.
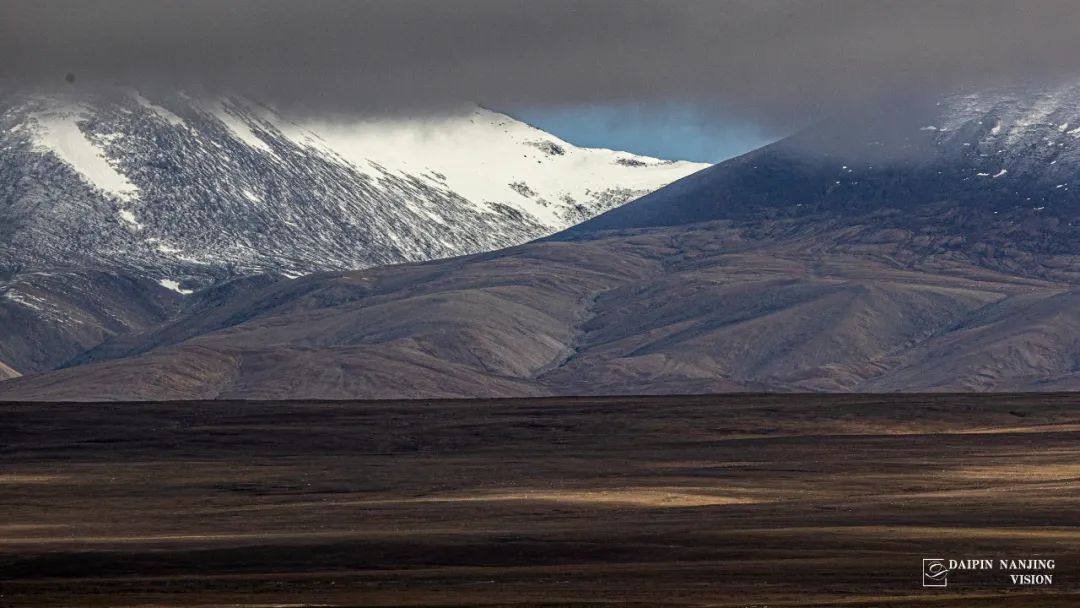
x=193, y=185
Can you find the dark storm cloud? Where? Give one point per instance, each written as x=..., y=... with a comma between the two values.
x=777, y=62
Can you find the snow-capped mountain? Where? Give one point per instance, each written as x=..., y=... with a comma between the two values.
x=1005, y=154
x=116, y=206
x=189, y=189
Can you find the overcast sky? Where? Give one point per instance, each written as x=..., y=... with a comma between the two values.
x=758, y=66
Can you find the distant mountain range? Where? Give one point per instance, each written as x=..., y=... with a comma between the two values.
x=114, y=204
x=928, y=248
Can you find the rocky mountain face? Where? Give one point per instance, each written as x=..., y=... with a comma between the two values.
x=116, y=204
x=928, y=250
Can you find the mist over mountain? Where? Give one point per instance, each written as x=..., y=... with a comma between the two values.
x=1012, y=152
x=772, y=63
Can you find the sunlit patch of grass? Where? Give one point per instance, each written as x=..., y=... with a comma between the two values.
x=15, y=479
x=647, y=497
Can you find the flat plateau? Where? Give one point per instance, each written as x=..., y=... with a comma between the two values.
x=734, y=500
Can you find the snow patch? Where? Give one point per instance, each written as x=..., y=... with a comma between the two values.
x=58, y=132
x=159, y=111
x=24, y=299
x=174, y=286
x=251, y=196
x=238, y=126
x=129, y=218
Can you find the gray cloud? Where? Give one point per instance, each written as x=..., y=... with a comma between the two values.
x=777, y=62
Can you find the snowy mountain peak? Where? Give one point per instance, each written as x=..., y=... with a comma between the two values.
x=468, y=149
x=189, y=188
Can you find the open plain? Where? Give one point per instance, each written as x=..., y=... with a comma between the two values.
x=735, y=500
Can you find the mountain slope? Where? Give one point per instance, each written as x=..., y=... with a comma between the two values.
x=690, y=309
x=47, y=318
x=190, y=189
